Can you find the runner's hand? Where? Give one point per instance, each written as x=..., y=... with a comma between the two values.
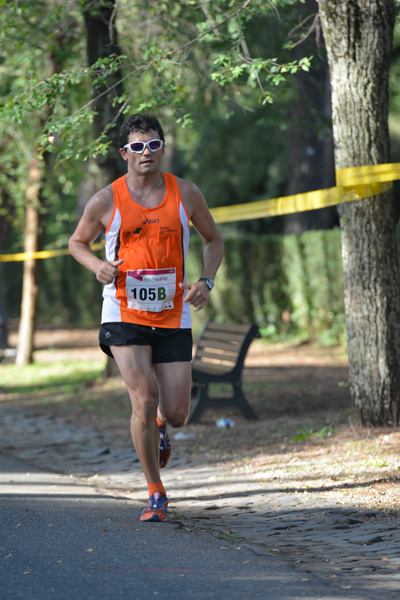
x=107, y=271
x=197, y=295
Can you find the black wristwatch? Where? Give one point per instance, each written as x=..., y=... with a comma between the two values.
x=209, y=282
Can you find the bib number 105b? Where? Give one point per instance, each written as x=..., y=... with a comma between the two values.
x=144, y=293
x=151, y=290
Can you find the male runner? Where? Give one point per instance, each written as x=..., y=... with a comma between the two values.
x=146, y=323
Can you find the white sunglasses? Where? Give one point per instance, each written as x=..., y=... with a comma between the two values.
x=139, y=147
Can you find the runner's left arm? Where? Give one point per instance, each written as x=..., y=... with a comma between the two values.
x=213, y=253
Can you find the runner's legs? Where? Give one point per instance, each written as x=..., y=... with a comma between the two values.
x=135, y=365
x=163, y=385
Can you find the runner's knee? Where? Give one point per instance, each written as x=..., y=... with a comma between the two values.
x=178, y=417
x=144, y=403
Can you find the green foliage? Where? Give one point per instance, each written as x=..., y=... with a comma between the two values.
x=72, y=289
x=228, y=536
x=68, y=294
x=394, y=93
x=227, y=70
x=326, y=432
x=234, y=169
x=296, y=285
x=161, y=65
x=63, y=129
x=291, y=286
x=304, y=433
x=40, y=48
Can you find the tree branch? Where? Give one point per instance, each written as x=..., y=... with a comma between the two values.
x=213, y=28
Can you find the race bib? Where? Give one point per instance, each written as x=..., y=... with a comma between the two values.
x=151, y=290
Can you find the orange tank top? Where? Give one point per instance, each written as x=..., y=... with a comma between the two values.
x=153, y=243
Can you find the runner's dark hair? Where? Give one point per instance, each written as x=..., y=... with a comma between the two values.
x=142, y=123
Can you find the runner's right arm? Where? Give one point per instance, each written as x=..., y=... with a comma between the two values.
x=95, y=219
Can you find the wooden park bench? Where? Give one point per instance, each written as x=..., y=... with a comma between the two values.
x=219, y=358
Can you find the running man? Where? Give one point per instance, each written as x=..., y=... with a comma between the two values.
x=146, y=322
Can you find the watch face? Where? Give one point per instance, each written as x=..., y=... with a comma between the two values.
x=209, y=282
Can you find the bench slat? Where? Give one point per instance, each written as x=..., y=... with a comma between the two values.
x=205, y=355
x=227, y=327
x=220, y=345
x=223, y=335
x=210, y=368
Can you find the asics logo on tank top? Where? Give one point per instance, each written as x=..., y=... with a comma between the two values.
x=150, y=221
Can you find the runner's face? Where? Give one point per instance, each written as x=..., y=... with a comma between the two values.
x=147, y=162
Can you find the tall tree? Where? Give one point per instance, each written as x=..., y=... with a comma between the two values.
x=358, y=36
x=5, y=225
x=39, y=167
x=30, y=278
x=101, y=41
x=310, y=155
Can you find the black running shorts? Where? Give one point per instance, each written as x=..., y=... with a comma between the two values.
x=168, y=345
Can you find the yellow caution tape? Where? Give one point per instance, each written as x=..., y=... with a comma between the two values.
x=354, y=183
x=354, y=176
x=42, y=254
x=298, y=203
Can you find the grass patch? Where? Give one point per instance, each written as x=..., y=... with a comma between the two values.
x=307, y=432
x=228, y=536
x=66, y=388
x=177, y=515
x=60, y=376
x=303, y=434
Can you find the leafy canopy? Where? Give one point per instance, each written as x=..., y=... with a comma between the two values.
x=215, y=36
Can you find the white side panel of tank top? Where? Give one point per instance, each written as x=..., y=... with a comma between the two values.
x=112, y=235
x=111, y=312
x=186, y=319
x=111, y=238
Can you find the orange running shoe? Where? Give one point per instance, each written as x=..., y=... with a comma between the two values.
x=156, y=510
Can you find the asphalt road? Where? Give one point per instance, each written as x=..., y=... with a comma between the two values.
x=62, y=539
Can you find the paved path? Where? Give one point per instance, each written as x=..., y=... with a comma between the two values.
x=62, y=538
x=338, y=550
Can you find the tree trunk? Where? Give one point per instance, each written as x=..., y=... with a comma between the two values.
x=101, y=41
x=3, y=315
x=35, y=218
x=30, y=286
x=358, y=37
x=5, y=222
x=310, y=160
